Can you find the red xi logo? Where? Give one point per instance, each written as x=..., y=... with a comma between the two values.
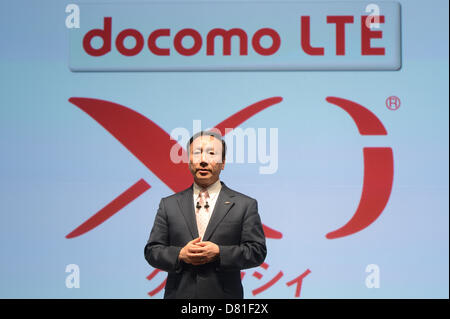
x=151, y=145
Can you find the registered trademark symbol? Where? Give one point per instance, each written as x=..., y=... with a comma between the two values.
x=393, y=103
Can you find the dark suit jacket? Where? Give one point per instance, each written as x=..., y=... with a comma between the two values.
x=235, y=226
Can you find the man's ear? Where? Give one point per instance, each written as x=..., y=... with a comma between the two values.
x=223, y=165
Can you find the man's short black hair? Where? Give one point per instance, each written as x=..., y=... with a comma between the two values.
x=215, y=134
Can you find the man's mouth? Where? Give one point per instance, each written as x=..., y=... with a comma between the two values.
x=203, y=171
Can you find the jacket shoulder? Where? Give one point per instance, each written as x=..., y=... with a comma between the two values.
x=240, y=195
x=175, y=196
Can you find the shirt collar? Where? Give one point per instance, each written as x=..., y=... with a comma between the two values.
x=212, y=189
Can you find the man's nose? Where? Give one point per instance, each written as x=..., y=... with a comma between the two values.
x=203, y=157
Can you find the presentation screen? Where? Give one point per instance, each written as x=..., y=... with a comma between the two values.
x=335, y=115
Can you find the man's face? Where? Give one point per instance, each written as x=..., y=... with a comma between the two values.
x=205, y=160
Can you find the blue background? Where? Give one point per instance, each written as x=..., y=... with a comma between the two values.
x=59, y=166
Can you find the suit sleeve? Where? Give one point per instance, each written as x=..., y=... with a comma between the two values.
x=157, y=251
x=252, y=250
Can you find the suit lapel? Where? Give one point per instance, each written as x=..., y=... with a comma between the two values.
x=223, y=205
x=186, y=203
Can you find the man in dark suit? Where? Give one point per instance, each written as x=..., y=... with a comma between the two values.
x=205, y=235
